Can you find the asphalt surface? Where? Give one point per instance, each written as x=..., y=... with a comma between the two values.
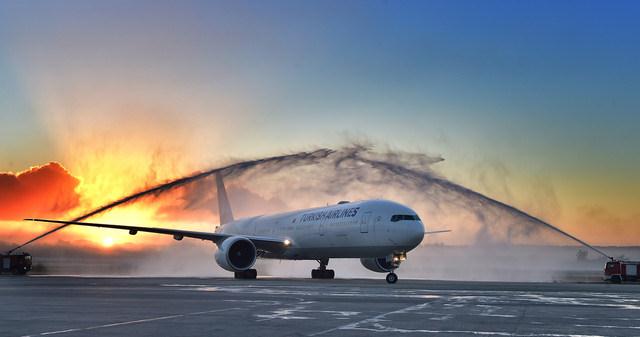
x=83, y=306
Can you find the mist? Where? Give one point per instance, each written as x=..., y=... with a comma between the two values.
x=490, y=240
x=192, y=258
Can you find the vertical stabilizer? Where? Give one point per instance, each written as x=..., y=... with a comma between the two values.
x=224, y=207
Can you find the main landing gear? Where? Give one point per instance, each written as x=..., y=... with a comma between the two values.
x=249, y=274
x=322, y=272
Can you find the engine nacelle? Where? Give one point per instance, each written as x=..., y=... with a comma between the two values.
x=378, y=264
x=236, y=254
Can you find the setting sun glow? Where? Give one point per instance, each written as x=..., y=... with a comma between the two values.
x=107, y=242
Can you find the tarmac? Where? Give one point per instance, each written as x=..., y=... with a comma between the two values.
x=98, y=306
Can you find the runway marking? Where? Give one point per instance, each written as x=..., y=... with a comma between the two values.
x=289, y=313
x=110, y=325
x=381, y=328
x=372, y=319
x=285, y=314
x=608, y=326
x=300, y=291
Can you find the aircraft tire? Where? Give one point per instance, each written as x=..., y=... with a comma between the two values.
x=392, y=278
x=326, y=274
x=329, y=274
x=249, y=274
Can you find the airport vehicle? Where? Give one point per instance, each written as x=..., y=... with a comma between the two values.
x=17, y=264
x=617, y=271
x=378, y=232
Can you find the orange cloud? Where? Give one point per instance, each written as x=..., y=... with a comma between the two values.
x=41, y=191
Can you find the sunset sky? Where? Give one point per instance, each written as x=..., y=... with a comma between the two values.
x=533, y=103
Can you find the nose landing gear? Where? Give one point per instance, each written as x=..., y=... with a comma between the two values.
x=322, y=272
x=393, y=263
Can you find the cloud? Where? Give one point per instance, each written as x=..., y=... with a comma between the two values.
x=41, y=191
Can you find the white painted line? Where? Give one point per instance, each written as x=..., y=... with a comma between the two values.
x=372, y=319
x=607, y=326
x=62, y=331
x=376, y=320
x=138, y=321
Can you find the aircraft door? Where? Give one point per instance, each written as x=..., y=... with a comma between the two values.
x=364, y=222
x=377, y=226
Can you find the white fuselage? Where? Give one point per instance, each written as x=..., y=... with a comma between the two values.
x=349, y=230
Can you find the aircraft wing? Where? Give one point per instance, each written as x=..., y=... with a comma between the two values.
x=261, y=243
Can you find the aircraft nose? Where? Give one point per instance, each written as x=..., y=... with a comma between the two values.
x=415, y=232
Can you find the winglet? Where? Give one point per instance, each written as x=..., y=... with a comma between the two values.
x=224, y=208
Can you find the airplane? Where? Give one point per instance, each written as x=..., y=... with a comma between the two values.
x=378, y=232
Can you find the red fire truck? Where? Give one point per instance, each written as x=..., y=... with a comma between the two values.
x=17, y=264
x=621, y=271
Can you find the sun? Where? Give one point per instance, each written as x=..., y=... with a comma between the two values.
x=107, y=242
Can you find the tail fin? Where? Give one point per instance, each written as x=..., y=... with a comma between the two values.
x=224, y=208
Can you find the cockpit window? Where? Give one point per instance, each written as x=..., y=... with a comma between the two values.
x=398, y=217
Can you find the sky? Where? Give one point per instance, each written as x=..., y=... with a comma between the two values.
x=532, y=103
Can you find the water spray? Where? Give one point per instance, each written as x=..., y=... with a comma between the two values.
x=351, y=163
x=403, y=171
x=301, y=157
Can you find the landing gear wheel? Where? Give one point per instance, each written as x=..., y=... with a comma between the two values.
x=322, y=272
x=392, y=278
x=249, y=274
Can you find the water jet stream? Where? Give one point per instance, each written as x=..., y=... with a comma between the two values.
x=349, y=164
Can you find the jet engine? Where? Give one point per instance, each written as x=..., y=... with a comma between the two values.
x=378, y=264
x=236, y=254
